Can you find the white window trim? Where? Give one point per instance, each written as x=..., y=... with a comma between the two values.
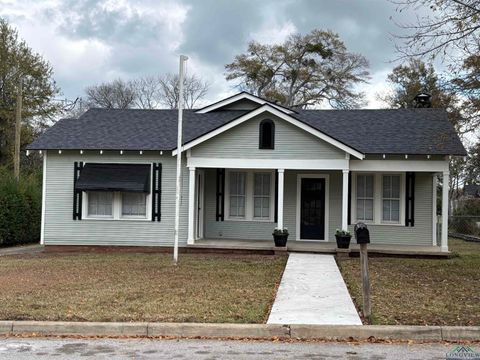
x=378, y=198
x=327, y=204
x=271, y=196
x=389, y=222
x=117, y=210
x=245, y=195
x=249, y=191
x=373, y=198
x=117, y=201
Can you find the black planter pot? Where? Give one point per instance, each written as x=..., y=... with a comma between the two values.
x=280, y=240
x=343, y=242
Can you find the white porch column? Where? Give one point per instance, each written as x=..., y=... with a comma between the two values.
x=191, y=206
x=281, y=173
x=345, y=200
x=445, y=188
x=434, y=209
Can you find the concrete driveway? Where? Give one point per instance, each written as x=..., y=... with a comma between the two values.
x=20, y=250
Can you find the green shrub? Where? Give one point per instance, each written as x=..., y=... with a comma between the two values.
x=20, y=209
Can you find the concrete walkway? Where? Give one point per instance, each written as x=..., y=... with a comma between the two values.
x=312, y=291
x=20, y=250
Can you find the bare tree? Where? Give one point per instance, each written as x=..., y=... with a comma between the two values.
x=117, y=94
x=448, y=26
x=148, y=92
x=194, y=90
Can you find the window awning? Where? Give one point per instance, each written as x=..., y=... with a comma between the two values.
x=114, y=177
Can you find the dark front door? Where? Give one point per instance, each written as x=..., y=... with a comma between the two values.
x=312, y=209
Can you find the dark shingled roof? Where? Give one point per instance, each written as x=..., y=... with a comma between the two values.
x=399, y=131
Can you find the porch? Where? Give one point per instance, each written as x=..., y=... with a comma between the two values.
x=313, y=199
x=317, y=247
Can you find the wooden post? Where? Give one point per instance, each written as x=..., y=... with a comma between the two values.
x=18, y=131
x=367, y=309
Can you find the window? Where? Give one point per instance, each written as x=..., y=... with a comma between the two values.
x=391, y=198
x=261, y=195
x=100, y=204
x=134, y=204
x=117, y=205
x=249, y=195
x=365, y=197
x=237, y=194
x=267, y=135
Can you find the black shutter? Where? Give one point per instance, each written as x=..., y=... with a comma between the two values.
x=220, y=204
x=349, y=221
x=157, y=192
x=77, y=194
x=276, y=196
x=410, y=199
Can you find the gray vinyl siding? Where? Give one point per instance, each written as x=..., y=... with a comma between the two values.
x=291, y=142
x=420, y=234
x=255, y=230
x=61, y=229
x=230, y=229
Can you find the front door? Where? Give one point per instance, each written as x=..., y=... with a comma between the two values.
x=312, y=209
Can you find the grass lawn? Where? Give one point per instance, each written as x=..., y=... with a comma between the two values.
x=421, y=291
x=139, y=287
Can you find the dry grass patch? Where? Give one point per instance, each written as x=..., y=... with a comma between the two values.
x=421, y=291
x=139, y=287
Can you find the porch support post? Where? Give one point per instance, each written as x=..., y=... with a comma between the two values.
x=434, y=209
x=345, y=200
x=191, y=206
x=280, y=198
x=445, y=188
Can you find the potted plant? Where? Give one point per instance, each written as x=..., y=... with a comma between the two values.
x=343, y=238
x=280, y=237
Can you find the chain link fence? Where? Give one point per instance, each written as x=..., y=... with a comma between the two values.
x=464, y=227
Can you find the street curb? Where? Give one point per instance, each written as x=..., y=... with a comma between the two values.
x=362, y=332
x=252, y=331
x=243, y=331
x=79, y=328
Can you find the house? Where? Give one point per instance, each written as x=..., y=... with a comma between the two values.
x=249, y=166
x=471, y=191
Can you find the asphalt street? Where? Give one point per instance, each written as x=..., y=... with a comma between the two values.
x=38, y=348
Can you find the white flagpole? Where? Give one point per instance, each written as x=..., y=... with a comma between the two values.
x=183, y=59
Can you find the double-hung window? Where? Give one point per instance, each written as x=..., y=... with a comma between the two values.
x=261, y=195
x=365, y=197
x=250, y=195
x=114, y=191
x=391, y=198
x=116, y=205
x=379, y=198
x=237, y=186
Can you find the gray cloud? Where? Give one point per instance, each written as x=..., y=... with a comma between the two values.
x=146, y=36
x=217, y=30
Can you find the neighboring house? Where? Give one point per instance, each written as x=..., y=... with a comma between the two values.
x=471, y=192
x=460, y=198
x=249, y=166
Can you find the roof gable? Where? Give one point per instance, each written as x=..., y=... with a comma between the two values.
x=280, y=114
x=245, y=100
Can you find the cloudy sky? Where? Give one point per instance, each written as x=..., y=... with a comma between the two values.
x=90, y=41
